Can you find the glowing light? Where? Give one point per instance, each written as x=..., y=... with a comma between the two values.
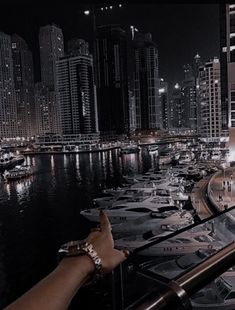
x=177, y=86
x=106, y=8
x=87, y=12
x=102, y=9
x=120, y=5
x=162, y=90
x=111, y=7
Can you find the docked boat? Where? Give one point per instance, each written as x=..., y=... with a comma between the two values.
x=165, y=158
x=155, y=222
x=129, y=211
x=17, y=173
x=129, y=149
x=174, y=267
x=218, y=295
x=153, y=149
x=184, y=243
x=10, y=160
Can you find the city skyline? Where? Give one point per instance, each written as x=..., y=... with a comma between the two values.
x=187, y=30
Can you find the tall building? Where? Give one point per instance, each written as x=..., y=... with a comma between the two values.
x=132, y=112
x=146, y=83
x=76, y=93
x=210, y=102
x=189, y=99
x=112, y=80
x=77, y=47
x=51, y=43
x=44, y=107
x=24, y=87
x=8, y=112
x=164, y=102
x=176, y=114
x=227, y=56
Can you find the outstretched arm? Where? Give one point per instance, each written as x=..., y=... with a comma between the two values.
x=56, y=291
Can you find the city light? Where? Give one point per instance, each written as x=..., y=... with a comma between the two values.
x=177, y=86
x=87, y=12
x=162, y=90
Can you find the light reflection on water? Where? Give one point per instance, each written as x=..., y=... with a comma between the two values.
x=41, y=212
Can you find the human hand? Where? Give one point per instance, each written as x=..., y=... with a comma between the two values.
x=102, y=241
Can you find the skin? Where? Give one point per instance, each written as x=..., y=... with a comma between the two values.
x=56, y=291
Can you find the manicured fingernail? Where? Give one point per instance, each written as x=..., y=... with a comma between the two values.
x=126, y=253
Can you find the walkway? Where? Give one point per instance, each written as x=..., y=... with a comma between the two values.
x=199, y=199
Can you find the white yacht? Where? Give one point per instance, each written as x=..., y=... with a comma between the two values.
x=155, y=222
x=218, y=295
x=129, y=211
x=153, y=149
x=186, y=242
x=174, y=267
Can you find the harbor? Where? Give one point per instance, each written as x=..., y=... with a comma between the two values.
x=146, y=202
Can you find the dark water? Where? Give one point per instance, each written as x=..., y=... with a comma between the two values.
x=42, y=212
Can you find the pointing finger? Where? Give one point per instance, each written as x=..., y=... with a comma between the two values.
x=104, y=222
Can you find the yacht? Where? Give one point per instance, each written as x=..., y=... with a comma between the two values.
x=184, y=243
x=153, y=149
x=17, y=173
x=155, y=222
x=10, y=160
x=174, y=267
x=129, y=211
x=218, y=295
x=129, y=149
x=165, y=158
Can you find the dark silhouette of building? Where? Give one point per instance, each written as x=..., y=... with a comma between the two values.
x=24, y=87
x=76, y=92
x=227, y=60
x=146, y=83
x=112, y=80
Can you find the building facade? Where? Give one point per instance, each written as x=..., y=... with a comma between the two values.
x=24, y=87
x=227, y=56
x=8, y=111
x=210, y=101
x=189, y=99
x=164, y=102
x=76, y=94
x=146, y=83
x=112, y=80
x=176, y=113
x=51, y=44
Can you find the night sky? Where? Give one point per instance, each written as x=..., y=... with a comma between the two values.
x=180, y=30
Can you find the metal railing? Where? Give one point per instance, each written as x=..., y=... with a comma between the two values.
x=177, y=293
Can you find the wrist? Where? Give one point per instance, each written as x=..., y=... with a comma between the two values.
x=81, y=265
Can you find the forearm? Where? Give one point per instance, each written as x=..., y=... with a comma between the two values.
x=56, y=291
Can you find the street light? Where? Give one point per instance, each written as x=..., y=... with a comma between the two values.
x=87, y=12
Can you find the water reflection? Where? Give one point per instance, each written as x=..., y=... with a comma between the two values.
x=51, y=199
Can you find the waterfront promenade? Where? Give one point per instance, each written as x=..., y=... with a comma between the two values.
x=217, y=190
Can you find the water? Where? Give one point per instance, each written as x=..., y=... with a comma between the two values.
x=42, y=212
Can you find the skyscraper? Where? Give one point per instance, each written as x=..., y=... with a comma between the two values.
x=8, y=112
x=44, y=102
x=112, y=80
x=76, y=92
x=176, y=112
x=164, y=102
x=146, y=83
x=51, y=43
x=189, y=99
x=210, y=102
x=24, y=87
x=227, y=56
